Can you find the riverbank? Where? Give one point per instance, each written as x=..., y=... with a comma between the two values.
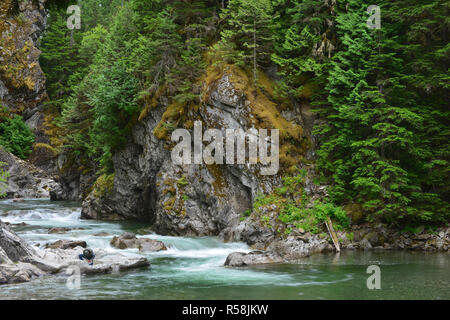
x=271, y=246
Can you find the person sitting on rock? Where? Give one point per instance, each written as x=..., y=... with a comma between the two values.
x=89, y=255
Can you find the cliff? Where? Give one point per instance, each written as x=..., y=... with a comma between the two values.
x=22, y=81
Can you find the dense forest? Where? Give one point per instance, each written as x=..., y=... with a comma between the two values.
x=380, y=96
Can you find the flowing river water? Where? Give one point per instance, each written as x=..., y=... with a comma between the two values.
x=192, y=268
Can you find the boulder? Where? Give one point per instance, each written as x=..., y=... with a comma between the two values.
x=125, y=241
x=241, y=259
x=129, y=240
x=365, y=244
x=373, y=238
x=14, y=248
x=150, y=245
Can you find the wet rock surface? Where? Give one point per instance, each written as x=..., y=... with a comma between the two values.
x=58, y=230
x=129, y=240
x=240, y=259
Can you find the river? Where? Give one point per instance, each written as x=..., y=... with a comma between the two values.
x=192, y=268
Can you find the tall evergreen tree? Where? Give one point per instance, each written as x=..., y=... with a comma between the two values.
x=249, y=29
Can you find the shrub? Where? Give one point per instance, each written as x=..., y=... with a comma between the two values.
x=16, y=136
x=324, y=210
x=3, y=179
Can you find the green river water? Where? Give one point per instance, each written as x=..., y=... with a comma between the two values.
x=192, y=268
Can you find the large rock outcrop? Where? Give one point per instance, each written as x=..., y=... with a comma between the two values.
x=198, y=199
x=19, y=262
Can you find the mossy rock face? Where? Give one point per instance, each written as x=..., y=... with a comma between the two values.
x=104, y=185
x=355, y=212
x=20, y=71
x=373, y=238
x=233, y=88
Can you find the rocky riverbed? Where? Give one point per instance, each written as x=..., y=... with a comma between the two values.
x=21, y=262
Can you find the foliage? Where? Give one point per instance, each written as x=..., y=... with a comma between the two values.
x=377, y=145
x=182, y=182
x=294, y=208
x=16, y=136
x=247, y=38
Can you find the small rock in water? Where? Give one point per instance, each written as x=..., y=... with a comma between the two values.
x=21, y=224
x=58, y=230
x=102, y=234
x=150, y=245
x=18, y=200
x=129, y=240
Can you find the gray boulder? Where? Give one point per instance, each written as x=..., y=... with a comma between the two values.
x=129, y=240
x=240, y=259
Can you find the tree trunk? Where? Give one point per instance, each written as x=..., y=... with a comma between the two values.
x=254, y=52
x=332, y=234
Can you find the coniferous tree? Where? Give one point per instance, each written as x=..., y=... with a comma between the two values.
x=304, y=42
x=249, y=32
